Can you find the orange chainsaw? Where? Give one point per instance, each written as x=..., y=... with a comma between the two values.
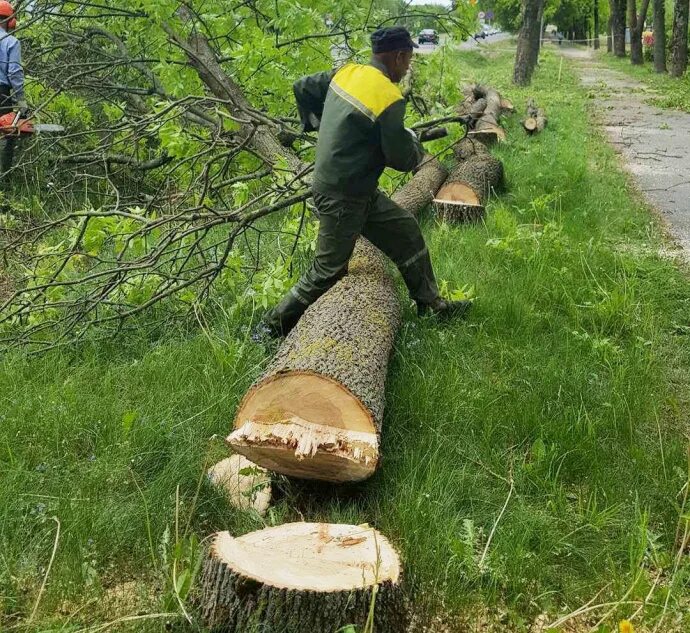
x=12, y=124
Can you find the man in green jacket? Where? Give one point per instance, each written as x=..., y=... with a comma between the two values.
x=359, y=113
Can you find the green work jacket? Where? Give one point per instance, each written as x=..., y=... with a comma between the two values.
x=359, y=114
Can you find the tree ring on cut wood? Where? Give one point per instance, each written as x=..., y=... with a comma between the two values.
x=314, y=577
x=332, y=434
x=458, y=192
x=311, y=556
x=458, y=202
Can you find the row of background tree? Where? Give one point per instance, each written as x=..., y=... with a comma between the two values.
x=586, y=20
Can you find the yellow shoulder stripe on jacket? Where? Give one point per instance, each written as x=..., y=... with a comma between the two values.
x=366, y=88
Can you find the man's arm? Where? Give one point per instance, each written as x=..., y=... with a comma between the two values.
x=15, y=72
x=310, y=93
x=401, y=148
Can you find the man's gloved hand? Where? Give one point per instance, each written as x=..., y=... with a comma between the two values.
x=23, y=109
x=314, y=121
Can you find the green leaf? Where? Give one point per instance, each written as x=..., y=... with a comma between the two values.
x=128, y=420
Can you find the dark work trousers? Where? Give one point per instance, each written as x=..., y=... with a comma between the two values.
x=9, y=142
x=385, y=224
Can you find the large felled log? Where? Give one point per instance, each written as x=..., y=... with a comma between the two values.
x=317, y=412
x=464, y=194
x=301, y=577
x=536, y=119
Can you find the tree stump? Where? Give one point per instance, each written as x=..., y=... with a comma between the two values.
x=302, y=577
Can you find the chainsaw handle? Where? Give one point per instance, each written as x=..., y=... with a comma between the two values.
x=433, y=134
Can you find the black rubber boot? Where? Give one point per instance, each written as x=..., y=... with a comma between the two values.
x=444, y=309
x=278, y=322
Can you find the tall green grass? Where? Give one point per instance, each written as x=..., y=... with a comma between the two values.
x=534, y=455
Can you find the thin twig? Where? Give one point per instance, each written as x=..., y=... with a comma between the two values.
x=45, y=578
x=493, y=529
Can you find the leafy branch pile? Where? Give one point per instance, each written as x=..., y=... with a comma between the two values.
x=177, y=159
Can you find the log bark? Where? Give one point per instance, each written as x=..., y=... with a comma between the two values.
x=302, y=577
x=528, y=42
x=618, y=26
x=464, y=195
x=679, y=38
x=660, y=36
x=317, y=411
x=597, y=43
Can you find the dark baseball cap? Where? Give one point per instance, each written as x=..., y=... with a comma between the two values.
x=391, y=38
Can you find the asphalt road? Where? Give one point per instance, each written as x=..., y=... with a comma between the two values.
x=653, y=142
x=426, y=49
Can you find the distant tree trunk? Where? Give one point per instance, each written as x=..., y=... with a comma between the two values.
x=636, y=23
x=679, y=38
x=596, y=25
x=609, y=37
x=528, y=42
x=541, y=28
x=535, y=50
x=659, y=36
x=618, y=27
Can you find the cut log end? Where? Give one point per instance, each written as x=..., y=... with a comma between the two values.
x=460, y=192
x=308, y=426
x=302, y=577
x=530, y=124
x=308, y=451
x=488, y=136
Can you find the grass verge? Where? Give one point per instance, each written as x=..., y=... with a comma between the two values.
x=664, y=91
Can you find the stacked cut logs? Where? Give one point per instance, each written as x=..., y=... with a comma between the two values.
x=536, y=119
x=485, y=105
x=464, y=195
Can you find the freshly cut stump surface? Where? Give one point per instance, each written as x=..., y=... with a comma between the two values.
x=298, y=577
x=317, y=411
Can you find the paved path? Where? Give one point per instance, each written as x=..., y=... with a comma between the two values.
x=655, y=143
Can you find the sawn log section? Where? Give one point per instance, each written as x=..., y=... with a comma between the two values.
x=317, y=411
